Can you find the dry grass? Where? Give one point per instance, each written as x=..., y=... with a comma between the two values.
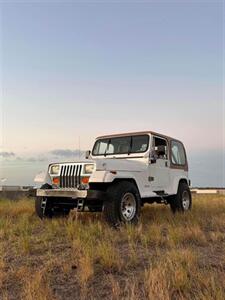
x=164, y=257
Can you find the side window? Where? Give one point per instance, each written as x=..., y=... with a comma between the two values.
x=177, y=153
x=160, y=148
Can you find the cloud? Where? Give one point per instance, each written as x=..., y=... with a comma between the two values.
x=56, y=154
x=10, y=156
x=7, y=154
x=66, y=152
x=36, y=159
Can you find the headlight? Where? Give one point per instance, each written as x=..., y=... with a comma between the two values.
x=88, y=169
x=54, y=169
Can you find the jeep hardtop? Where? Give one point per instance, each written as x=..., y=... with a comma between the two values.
x=119, y=175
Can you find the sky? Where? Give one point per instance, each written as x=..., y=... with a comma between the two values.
x=73, y=70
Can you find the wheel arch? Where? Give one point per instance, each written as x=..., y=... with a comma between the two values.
x=103, y=186
x=182, y=180
x=131, y=180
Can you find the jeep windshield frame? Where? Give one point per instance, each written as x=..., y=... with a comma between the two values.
x=121, y=145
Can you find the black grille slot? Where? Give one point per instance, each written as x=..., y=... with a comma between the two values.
x=70, y=176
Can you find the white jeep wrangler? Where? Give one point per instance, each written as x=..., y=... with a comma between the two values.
x=119, y=175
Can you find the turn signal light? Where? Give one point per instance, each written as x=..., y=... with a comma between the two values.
x=85, y=180
x=55, y=180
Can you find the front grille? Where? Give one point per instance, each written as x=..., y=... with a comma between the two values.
x=70, y=176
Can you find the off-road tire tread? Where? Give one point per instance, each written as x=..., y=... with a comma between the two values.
x=176, y=203
x=111, y=205
x=38, y=209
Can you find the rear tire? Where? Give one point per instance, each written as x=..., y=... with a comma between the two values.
x=183, y=200
x=123, y=204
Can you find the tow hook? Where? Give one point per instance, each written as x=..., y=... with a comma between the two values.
x=80, y=205
x=44, y=204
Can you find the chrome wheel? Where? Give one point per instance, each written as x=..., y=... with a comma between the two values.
x=128, y=206
x=186, y=200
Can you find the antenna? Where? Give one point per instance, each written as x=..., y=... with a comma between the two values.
x=79, y=145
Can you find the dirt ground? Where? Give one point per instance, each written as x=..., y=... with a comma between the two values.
x=166, y=256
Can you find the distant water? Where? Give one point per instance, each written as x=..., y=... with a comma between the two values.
x=21, y=173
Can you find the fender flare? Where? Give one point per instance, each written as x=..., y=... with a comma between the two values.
x=183, y=179
x=103, y=186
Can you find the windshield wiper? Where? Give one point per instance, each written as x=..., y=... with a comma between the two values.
x=106, y=149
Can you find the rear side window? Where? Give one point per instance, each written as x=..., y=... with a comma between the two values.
x=177, y=153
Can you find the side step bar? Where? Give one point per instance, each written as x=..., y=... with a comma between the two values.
x=161, y=193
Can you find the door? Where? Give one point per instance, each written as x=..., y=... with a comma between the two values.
x=159, y=165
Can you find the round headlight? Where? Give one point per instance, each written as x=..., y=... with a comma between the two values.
x=88, y=169
x=54, y=169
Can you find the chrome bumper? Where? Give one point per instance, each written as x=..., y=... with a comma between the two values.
x=71, y=193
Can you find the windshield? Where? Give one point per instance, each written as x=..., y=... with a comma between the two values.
x=121, y=145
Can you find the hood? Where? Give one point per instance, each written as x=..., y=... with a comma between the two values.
x=86, y=161
x=120, y=165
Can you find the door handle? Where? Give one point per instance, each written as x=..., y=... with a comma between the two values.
x=166, y=164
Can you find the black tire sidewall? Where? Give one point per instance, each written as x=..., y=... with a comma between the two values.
x=179, y=203
x=38, y=207
x=112, y=207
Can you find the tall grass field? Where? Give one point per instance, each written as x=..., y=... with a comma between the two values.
x=166, y=256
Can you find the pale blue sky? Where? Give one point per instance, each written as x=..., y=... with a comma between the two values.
x=73, y=69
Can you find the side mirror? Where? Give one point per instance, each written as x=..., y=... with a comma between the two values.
x=87, y=154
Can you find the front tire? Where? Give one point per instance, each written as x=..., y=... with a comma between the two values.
x=183, y=199
x=123, y=204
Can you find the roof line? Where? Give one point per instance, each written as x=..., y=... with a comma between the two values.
x=134, y=133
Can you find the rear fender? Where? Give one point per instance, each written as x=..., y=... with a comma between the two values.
x=175, y=183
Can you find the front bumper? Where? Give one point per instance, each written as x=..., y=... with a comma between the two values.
x=71, y=193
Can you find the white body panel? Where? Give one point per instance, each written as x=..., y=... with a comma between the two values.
x=175, y=176
x=161, y=173
x=165, y=178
